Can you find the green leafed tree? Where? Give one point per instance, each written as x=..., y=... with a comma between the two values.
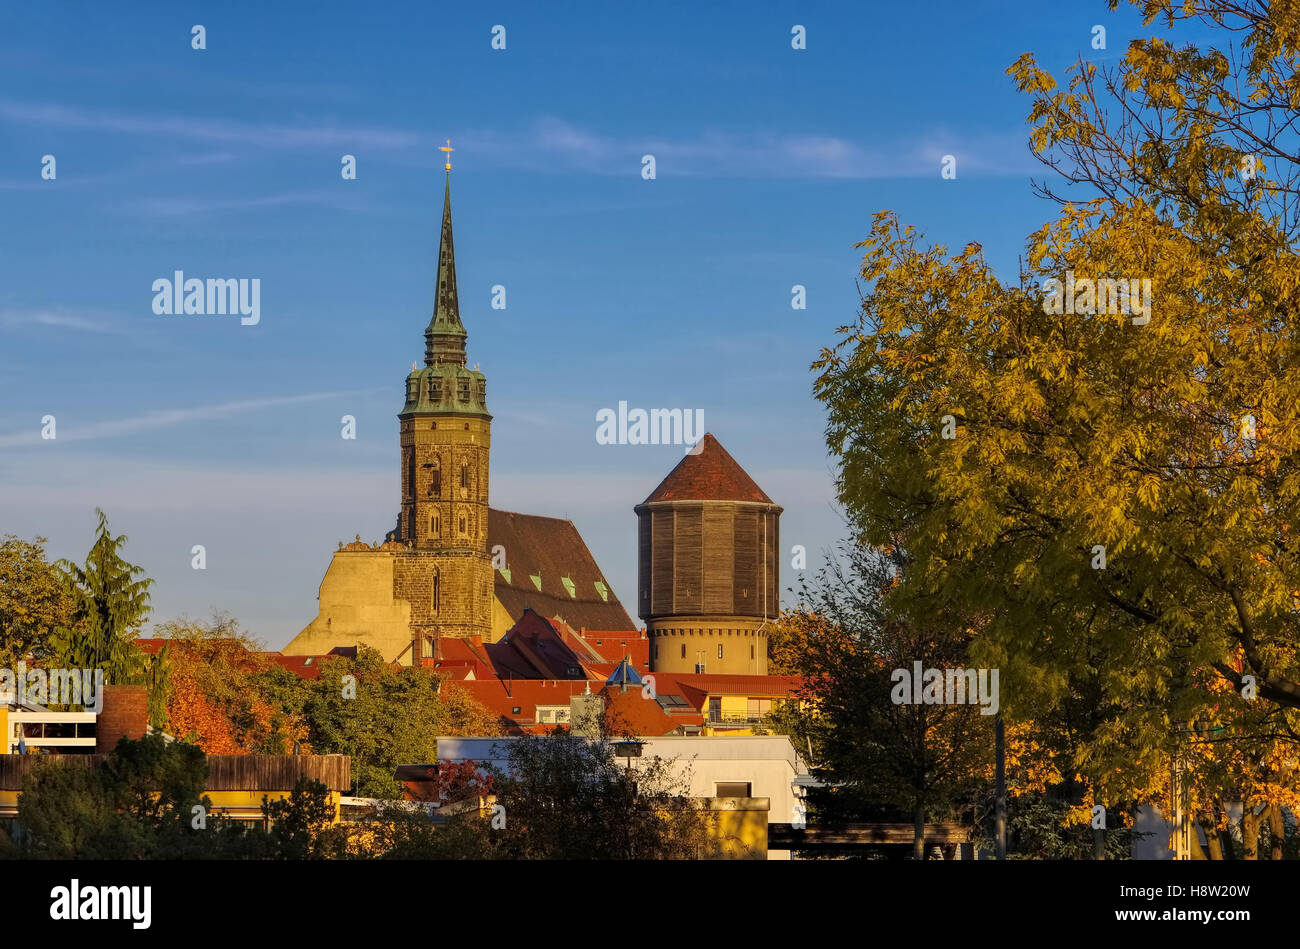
x=383, y=716
x=569, y=797
x=136, y=805
x=111, y=598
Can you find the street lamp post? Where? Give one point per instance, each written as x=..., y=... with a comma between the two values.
x=1000, y=786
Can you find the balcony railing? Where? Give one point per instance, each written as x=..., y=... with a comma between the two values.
x=732, y=718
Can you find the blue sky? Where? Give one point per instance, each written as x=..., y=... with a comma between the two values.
x=673, y=292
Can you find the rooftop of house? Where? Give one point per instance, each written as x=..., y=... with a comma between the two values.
x=550, y=570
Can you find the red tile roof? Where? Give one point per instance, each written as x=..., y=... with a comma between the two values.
x=711, y=475
x=613, y=645
x=503, y=696
x=305, y=667
x=625, y=712
x=740, y=684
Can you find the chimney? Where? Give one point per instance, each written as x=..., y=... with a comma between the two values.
x=125, y=715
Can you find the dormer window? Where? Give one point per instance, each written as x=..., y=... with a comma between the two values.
x=482, y=391
x=462, y=392
x=435, y=390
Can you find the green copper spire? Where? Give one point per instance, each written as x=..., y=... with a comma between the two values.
x=444, y=386
x=444, y=340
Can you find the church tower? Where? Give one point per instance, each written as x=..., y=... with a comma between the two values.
x=445, y=441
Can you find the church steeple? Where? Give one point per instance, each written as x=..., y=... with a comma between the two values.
x=444, y=339
x=444, y=385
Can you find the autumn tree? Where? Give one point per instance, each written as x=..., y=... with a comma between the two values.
x=880, y=758
x=1116, y=495
x=225, y=694
x=34, y=602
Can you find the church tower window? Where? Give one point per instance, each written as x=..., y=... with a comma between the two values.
x=435, y=488
x=435, y=526
x=464, y=475
x=437, y=590
x=463, y=528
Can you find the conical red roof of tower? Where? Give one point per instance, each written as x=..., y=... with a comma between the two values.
x=710, y=475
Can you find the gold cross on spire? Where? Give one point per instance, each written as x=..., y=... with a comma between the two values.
x=448, y=149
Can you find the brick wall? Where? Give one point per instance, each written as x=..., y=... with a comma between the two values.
x=125, y=713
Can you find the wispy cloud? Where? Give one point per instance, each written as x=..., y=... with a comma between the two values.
x=16, y=319
x=116, y=428
x=204, y=129
x=551, y=143
x=185, y=206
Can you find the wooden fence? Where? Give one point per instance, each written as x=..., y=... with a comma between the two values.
x=225, y=772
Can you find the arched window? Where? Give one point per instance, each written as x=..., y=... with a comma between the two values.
x=435, y=525
x=463, y=528
x=464, y=475
x=437, y=584
x=435, y=487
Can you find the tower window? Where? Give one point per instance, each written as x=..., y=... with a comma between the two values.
x=751, y=652
x=464, y=475
x=436, y=487
x=437, y=590
x=462, y=392
x=482, y=391
x=719, y=650
x=462, y=524
x=683, y=650
x=435, y=525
